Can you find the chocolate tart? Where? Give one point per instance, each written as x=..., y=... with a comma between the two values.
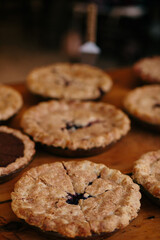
x=143, y=103
x=76, y=199
x=148, y=69
x=16, y=152
x=146, y=172
x=69, y=81
x=10, y=102
x=74, y=128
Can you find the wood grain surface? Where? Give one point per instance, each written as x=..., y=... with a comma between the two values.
x=120, y=156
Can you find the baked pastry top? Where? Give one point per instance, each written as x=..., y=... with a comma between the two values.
x=76, y=198
x=16, y=150
x=10, y=102
x=69, y=81
x=144, y=103
x=146, y=172
x=148, y=69
x=75, y=125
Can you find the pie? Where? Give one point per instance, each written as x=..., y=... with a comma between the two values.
x=76, y=198
x=10, y=102
x=75, y=128
x=146, y=172
x=148, y=69
x=16, y=151
x=143, y=103
x=69, y=81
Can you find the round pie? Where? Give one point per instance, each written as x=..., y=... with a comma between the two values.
x=146, y=172
x=16, y=151
x=144, y=104
x=76, y=198
x=148, y=69
x=75, y=128
x=10, y=102
x=69, y=81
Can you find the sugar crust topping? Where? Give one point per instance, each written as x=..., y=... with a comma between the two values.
x=107, y=199
x=144, y=103
x=10, y=102
x=146, y=172
x=75, y=125
x=69, y=81
x=148, y=69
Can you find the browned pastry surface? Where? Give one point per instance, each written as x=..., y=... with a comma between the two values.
x=10, y=102
x=144, y=103
x=147, y=172
x=148, y=69
x=16, y=150
x=69, y=81
x=75, y=125
x=76, y=198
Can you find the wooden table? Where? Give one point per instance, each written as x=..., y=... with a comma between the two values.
x=121, y=156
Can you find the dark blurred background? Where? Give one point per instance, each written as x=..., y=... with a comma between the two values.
x=39, y=32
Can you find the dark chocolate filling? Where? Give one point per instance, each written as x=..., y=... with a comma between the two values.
x=11, y=148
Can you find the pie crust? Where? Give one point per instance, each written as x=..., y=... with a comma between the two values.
x=146, y=172
x=148, y=69
x=76, y=198
x=10, y=102
x=69, y=81
x=21, y=161
x=144, y=104
x=75, y=126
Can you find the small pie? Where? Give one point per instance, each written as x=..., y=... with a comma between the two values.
x=75, y=128
x=144, y=104
x=76, y=198
x=16, y=151
x=146, y=172
x=10, y=102
x=69, y=81
x=148, y=69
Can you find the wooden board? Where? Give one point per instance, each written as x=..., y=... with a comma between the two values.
x=121, y=156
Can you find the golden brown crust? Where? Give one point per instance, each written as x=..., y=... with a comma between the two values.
x=29, y=150
x=75, y=125
x=49, y=197
x=10, y=102
x=69, y=81
x=146, y=172
x=148, y=69
x=144, y=104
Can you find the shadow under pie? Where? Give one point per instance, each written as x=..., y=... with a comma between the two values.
x=151, y=197
x=78, y=153
x=41, y=98
x=57, y=236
